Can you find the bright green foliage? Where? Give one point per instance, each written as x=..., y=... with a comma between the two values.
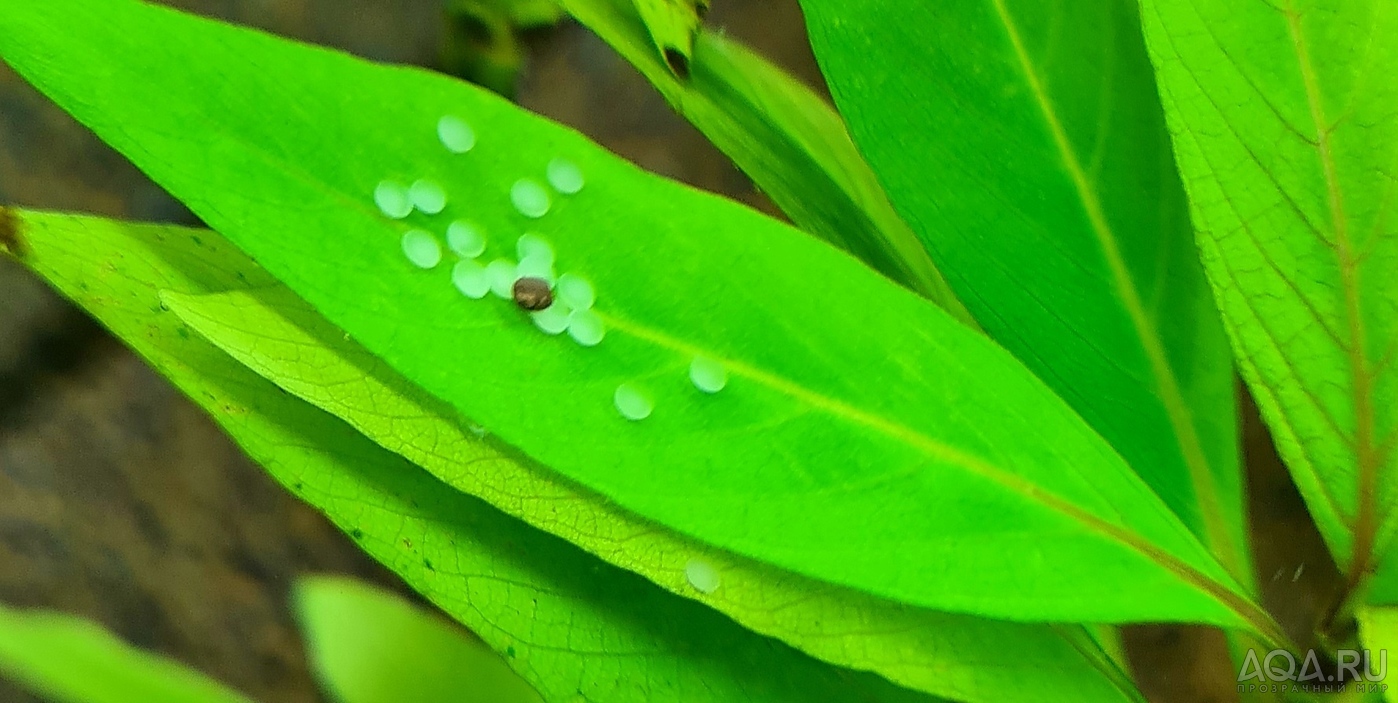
x=1378, y=631
x=869, y=460
x=673, y=25
x=278, y=336
x=568, y=623
x=1285, y=133
x=370, y=646
x=1023, y=141
x=786, y=138
x=71, y=660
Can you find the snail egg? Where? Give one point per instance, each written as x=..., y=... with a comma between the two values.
x=565, y=176
x=632, y=402
x=708, y=374
x=576, y=291
x=529, y=198
x=471, y=279
x=456, y=135
x=427, y=197
x=465, y=239
x=701, y=575
x=421, y=248
x=530, y=244
x=585, y=327
x=537, y=266
x=502, y=276
x=553, y=319
x=392, y=199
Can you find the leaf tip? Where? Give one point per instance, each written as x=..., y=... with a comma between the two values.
x=11, y=238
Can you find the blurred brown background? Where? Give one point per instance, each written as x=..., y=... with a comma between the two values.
x=121, y=502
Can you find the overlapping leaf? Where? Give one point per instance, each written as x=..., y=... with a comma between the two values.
x=964, y=657
x=1285, y=116
x=571, y=625
x=1023, y=141
x=71, y=660
x=785, y=137
x=865, y=437
x=369, y=646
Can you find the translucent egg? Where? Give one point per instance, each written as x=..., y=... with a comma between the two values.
x=529, y=198
x=565, y=176
x=421, y=248
x=702, y=576
x=585, y=327
x=553, y=319
x=470, y=278
x=466, y=239
x=575, y=291
x=502, y=275
x=456, y=135
x=537, y=266
x=632, y=402
x=708, y=375
x=530, y=244
x=392, y=199
x=427, y=197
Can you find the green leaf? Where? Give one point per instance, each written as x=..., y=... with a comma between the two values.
x=786, y=138
x=1285, y=118
x=864, y=438
x=1378, y=630
x=673, y=24
x=1023, y=142
x=367, y=645
x=70, y=659
x=570, y=624
x=282, y=339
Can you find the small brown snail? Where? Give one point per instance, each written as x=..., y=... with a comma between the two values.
x=533, y=293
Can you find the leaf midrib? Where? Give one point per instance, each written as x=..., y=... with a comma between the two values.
x=1367, y=520
x=938, y=450
x=1186, y=438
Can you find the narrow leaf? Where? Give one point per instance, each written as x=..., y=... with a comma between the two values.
x=786, y=138
x=864, y=438
x=1025, y=145
x=278, y=336
x=370, y=646
x=73, y=660
x=1285, y=117
x=673, y=24
x=570, y=624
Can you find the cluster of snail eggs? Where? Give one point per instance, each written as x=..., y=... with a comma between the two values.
x=557, y=304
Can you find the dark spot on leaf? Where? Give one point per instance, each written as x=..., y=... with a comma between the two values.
x=183, y=333
x=296, y=485
x=357, y=533
x=510, y=651
x=428, y=563
x=678, y=62
x=407, y=543
x=197, y=241
x=10, y=237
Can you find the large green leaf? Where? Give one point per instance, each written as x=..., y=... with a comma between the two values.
x=1023, y=142
x=571, y=625
x=864, y=438
x=370, y=646
x=1285, y=117
x=785, y=137
x=960, y=656
x=73, y=660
